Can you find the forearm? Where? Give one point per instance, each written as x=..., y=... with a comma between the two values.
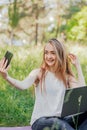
x=16, y=83
x=81, y=80
x=24, y=84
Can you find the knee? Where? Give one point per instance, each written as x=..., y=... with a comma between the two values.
x=62, y=125
x=57, y=124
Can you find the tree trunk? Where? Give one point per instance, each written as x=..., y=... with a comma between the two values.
x=36, y=26
x=12, y=35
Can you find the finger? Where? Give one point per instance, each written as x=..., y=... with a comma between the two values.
x=5, y=64
x=2, y=62
x=72, y=54
x=71, y=57
x=1, y=70
x=7, y=67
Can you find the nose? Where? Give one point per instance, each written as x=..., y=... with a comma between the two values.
x=49, y=56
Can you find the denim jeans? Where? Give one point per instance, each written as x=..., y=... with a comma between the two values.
x=66, y=123
x=51, y=123
x=83, y=126
x=78, y=122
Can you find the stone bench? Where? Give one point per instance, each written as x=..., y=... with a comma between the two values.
x=16, y=128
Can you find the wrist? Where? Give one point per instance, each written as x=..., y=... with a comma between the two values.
x=77, y=64
x=6, y=76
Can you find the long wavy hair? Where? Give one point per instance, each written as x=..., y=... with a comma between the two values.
x=61, y=67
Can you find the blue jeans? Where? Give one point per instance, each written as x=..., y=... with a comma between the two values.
x=66, y=123
x=83, y=126
x=51, y=123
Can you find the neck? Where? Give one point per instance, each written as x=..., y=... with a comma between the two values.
x=51, y=69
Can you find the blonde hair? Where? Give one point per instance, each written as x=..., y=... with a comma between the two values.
x=61, y=67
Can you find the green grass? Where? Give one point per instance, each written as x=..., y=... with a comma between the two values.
x=16, y=106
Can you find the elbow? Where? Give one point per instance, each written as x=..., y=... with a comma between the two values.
x=19, y=88
x=22, y=88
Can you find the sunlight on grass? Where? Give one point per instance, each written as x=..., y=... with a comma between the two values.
x=23, y=53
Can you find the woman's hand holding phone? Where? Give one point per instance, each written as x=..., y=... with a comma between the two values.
x=3, y=69
x=4, y=64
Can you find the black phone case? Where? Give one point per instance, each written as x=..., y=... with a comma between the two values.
x=8, y=56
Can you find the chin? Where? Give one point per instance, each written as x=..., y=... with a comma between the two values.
x=50, y=65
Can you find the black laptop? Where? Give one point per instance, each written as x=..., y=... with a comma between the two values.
x=75, y=101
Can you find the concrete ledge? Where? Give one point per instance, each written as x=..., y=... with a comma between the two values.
x=16, y=128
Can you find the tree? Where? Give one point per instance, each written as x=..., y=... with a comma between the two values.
x=13, y=14
x=77, y=26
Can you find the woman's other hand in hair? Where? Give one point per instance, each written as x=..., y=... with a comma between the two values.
x=74, y=59
x=3, y=68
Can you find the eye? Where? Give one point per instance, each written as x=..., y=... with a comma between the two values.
x=53, y=52
x=46, y=52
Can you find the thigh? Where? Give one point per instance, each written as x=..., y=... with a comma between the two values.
x=51, y=123
x=80, y=118
x=70, y=121
x=42, y=123
x=76, y=121
x=83, y=126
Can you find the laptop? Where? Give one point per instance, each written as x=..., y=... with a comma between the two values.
x=75, y=101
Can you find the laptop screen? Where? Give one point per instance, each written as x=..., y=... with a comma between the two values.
x=75, y=101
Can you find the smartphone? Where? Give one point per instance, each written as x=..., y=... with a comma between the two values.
x=8, y=56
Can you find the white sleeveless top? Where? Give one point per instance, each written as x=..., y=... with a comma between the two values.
x=48, y=103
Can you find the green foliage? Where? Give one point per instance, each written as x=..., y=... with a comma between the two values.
x=15, y=105
x=13, y=14
x=77, y=26
x=72, y=10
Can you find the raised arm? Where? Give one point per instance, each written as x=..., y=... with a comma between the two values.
x=75, y=61
x=24, y=84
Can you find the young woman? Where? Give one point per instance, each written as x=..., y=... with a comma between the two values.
x=51, y=80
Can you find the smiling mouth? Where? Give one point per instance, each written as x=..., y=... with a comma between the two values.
x=50, y=60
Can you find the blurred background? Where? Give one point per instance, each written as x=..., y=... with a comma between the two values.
x=25, y=27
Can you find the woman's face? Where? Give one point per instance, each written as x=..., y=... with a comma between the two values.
x=50, y=55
